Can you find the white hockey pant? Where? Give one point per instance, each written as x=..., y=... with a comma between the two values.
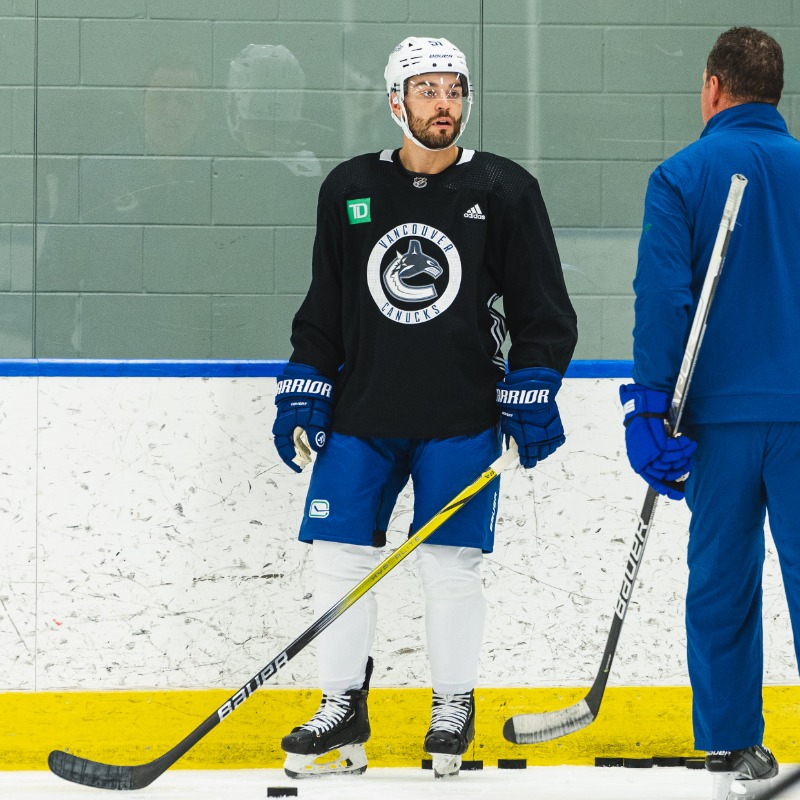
x=455, y=613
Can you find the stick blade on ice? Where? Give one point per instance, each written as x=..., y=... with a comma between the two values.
x=535, y=728
x=100, y=776
x=107, y=776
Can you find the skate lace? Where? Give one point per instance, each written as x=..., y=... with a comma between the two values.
x=333, y=710
x=450, y=712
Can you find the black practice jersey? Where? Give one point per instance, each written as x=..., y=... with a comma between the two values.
x=406, y=270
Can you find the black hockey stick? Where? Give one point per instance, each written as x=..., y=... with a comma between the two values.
x=547, y=725
x=781, y=785
x=107, y=776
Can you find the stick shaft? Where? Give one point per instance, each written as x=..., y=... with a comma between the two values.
x=532, y=728
x=677, y=406
x=108, y=776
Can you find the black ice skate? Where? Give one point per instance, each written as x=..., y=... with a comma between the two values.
x=340, y=728
x=750, y=769
x=451, y=732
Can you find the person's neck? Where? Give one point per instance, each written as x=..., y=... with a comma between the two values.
x=428, y=162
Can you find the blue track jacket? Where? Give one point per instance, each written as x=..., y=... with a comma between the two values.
x=749, y=363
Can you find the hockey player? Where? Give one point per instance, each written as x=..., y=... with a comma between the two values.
x=397, y=372
x=743, y=409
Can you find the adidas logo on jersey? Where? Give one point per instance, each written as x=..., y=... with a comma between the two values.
x=475, y=213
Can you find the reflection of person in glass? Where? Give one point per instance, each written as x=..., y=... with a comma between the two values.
x=173, y=120
x=397, y=372
x=265, y=106
x=173, y=111
x=127, y=181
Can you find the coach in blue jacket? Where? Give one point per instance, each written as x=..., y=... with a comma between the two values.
x=743, y=406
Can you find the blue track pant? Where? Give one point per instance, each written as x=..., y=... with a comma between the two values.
x=742, y=472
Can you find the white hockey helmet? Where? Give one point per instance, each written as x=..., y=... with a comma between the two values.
x=417, y=56
x=265, y=85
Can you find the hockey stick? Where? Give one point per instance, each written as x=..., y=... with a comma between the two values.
x=107, y=776
x=547, y=725
x=780, y=786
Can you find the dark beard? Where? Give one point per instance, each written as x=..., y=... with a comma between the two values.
x=436, y=140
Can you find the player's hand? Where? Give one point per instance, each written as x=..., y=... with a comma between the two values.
x=659, y=458
x=529, y=414
x=305, y=406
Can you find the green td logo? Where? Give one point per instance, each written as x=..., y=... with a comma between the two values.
x=358, y=211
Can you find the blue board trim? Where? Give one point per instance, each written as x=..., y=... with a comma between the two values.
x=156, y=368
x=600, y=369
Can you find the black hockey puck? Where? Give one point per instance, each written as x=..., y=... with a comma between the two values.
x=427, y=763
x=668, y=761
x=608, y=762
x=637, y=763
x=281, y=791
x=695, y=763
x=512, y=763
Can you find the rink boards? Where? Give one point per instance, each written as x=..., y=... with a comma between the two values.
x=149, y=553
x=635, y=723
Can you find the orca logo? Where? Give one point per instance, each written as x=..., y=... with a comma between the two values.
x=409, y=265
x=414, y=273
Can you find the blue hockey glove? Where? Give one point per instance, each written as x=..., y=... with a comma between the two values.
x=305, y=406
x=529, y=414
x=659, y=458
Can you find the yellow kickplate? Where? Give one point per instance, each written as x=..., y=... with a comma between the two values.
x=136, y=727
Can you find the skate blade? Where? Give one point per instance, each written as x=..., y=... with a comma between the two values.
x=445, y=765
x=348, y=760
x=728, y=787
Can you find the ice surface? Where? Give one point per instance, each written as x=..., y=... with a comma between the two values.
x=541, y=783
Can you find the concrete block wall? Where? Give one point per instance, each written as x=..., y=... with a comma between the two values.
x=157, y=230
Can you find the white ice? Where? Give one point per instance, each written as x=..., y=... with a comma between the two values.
x=539, y=783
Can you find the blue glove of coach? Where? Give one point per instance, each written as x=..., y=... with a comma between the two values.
x=529, y=414
x=659, y=458
x=305, y=404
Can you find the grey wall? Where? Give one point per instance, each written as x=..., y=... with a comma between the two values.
x=164, y=226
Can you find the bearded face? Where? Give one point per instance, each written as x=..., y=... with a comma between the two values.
x=437, y=131
x=433, y=105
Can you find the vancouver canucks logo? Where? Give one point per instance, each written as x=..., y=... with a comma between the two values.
x=409, y=265
x=414, y=273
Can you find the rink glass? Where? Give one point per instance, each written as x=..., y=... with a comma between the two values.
x=160, y=159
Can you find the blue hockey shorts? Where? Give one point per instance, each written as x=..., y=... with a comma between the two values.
x=355, y=484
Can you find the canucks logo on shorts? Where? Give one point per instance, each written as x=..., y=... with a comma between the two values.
x=414, y=273
x=319, y=509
